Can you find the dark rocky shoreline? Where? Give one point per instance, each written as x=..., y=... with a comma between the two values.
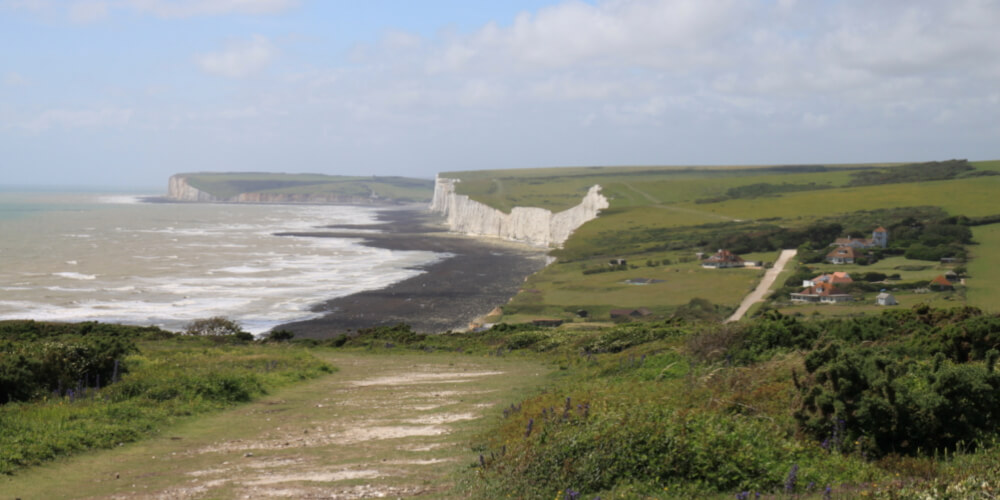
x=481, y=275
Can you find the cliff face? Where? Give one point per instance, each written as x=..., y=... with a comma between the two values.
x=535, y=226
x=179, y=189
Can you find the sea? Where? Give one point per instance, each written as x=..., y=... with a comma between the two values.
x=87, y=256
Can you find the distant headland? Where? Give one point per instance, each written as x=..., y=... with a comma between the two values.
x=256, y=187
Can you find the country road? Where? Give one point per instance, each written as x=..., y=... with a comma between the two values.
x=389, y=425
x=764, y=286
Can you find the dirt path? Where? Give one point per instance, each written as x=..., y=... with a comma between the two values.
x=384, y=426
x=764, y=286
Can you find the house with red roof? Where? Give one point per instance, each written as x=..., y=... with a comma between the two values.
x=822, y=293
x=837, y=278
x=941, y=283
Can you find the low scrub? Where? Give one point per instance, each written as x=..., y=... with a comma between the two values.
x=156, y=382
x=778, y=406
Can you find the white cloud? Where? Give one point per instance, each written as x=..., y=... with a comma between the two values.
x=171, y=9
x=79, y=118
x=482, y=93
x=26, y=5
x=14, y=79
x=656, y=33
x=87, y=11
x=239, y=59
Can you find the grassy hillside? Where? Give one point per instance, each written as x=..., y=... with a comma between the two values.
x=660, y=214
x=227, y=185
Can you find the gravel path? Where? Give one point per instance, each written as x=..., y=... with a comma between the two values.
x=383, y=426
x=764, y=286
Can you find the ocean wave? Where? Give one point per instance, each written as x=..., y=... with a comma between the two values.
x=75, y=276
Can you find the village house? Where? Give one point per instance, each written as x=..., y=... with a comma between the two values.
x=822, y=293
x=842, y=255
x=879, y=239
x=885, y=299
x=941, y=283
x=837, y=278
x=723, y=259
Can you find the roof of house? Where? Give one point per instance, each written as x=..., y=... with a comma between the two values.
x=833, y=278
x=880, y=229
x=848, y=240
x=940, y=280
x=842, y=252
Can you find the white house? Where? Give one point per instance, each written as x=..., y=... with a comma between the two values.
x=886, y=299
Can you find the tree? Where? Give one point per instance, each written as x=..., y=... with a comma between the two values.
x=216, y=325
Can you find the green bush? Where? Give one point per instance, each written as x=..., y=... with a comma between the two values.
x=866, y=398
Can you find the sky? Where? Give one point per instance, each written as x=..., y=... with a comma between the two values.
x=129, y=92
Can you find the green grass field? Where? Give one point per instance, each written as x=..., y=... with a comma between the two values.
x=970, y=197
x=984, y=273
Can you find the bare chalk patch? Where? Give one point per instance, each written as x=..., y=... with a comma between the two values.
x=443, y=418
x=422, y=378
x=362, y=434
x=315, y=477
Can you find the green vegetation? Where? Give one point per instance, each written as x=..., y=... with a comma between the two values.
x=660, y=213
x=896, y=405
x=230, y=185
x=916, y=172
x=68, y=388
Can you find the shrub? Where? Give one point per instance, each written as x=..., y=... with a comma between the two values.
x=865, y=398
x=280, y=336
x=214, y=326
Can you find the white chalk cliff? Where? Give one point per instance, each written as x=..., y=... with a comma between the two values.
x=535, y=226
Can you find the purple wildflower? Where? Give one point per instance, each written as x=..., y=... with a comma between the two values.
x=793, y=476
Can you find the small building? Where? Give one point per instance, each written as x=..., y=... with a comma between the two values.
x=618, y=262
x=885, y=299
x=952, y=277
x=842, y=255
x=940, y=284
x=823, y=293
x=723, y=259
